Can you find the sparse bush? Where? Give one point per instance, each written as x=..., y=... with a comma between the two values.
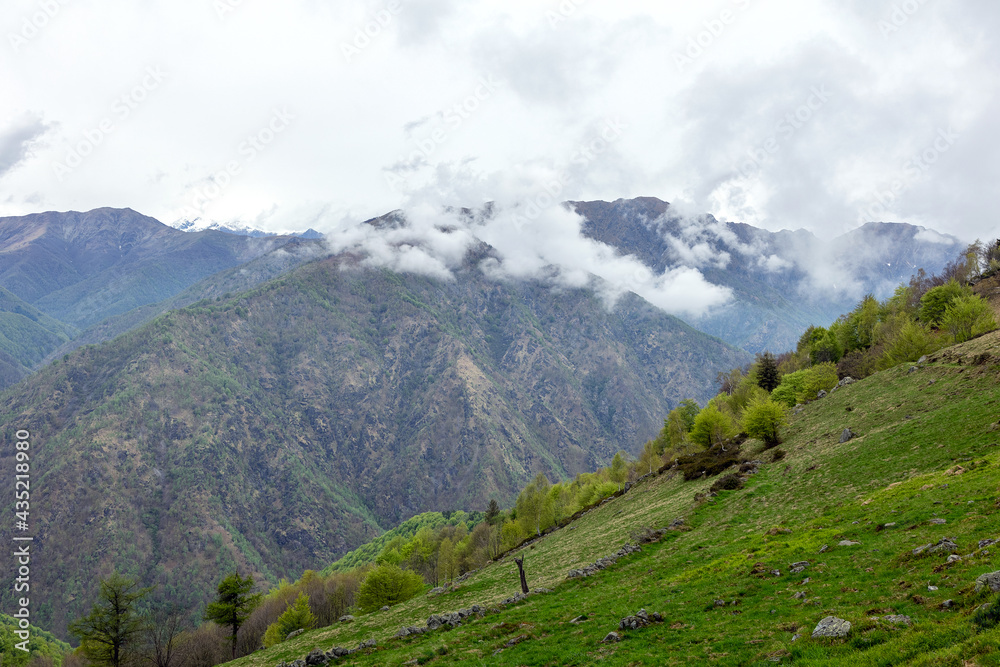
x=859, y=364
x=710, y=462
x=987, y=616
x=388, y=585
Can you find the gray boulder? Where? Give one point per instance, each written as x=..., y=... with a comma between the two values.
x=368, y=643
x=821, y=394
x=945, y=544
x=831, y=626
x=294, y=634
x=990, y=580
x=796, y=568
x=846, y=435
x=611, y=638
x=317, y=657
x=898, y=619
x=346, y=618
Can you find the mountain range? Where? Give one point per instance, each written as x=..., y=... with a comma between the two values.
x=208, y=401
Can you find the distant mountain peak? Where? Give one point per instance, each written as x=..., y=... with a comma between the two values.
x=237, y=228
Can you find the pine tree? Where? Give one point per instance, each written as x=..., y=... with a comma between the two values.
x=767, y=372
x=492, y=512
x=234, y=604
x=112, y=630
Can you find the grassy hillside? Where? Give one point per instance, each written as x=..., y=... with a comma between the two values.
x=923, y=466
x=276, y=430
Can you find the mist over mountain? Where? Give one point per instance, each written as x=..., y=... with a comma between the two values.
x=781, y=282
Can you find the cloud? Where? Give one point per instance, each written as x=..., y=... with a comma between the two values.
x=17, y=140
x=529, y=242
x=739, y=132
x=930, y=236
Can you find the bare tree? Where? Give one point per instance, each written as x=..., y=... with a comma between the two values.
x=520, y=570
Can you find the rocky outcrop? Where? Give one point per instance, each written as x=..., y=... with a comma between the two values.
x=831, y=626
x=603, y=563
x=640, y=620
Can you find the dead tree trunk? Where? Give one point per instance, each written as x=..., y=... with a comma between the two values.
x=520, y=570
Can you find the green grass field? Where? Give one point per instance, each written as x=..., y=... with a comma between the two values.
x=914, y=430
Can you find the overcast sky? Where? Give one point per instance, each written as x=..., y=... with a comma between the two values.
x=782, y=113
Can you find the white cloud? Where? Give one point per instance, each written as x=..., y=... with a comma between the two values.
x=690, y=133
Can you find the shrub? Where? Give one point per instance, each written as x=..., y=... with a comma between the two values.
x=296, y=617
x=763, y=419
x=730, y=482
x=388, y=585
x=967, y=317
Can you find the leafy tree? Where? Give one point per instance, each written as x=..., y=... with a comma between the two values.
x=804, y=385
x=234, y=604
x=510, y=535
x=533, y=509
x=446, y=560
x=763, y=419
x=911, y=342
x=676, y=426
x=822, y=345
x=711, y=427
x=649, y=459
x=936, y=301
x=967, y=317
x=768, y=377
x=619, y=469
x=297, y=616
x=387, y=585
x=112, y=632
